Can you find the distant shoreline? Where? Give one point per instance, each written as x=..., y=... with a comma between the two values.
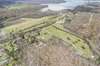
x=41, y=1
x=66, y=5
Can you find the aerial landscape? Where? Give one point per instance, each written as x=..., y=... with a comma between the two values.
x=49, y=32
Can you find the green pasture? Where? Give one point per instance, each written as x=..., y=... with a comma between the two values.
x=79, y=44
x=18, y=6
x=26, y=23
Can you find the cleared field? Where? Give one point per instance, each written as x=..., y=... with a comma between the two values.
x=80, y=45
x=18, y=6
x=25, y=24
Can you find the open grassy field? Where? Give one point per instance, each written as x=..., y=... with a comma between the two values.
x=26, y=23
x=80, y=45
x=18, y=6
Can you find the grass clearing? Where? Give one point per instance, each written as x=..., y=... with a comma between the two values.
x=18, y=6
x=80, y=45
x=26, y=23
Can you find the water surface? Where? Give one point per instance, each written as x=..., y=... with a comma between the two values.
x=69, y=4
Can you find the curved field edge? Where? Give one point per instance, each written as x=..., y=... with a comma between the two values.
x=79, y=45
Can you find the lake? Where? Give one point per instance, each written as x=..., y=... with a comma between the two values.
x=69, y=4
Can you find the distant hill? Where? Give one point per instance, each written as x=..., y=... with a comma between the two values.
x=40, y=1
x=90, y=7
x=6, y=2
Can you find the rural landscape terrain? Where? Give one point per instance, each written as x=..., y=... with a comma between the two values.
x=49, y=33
